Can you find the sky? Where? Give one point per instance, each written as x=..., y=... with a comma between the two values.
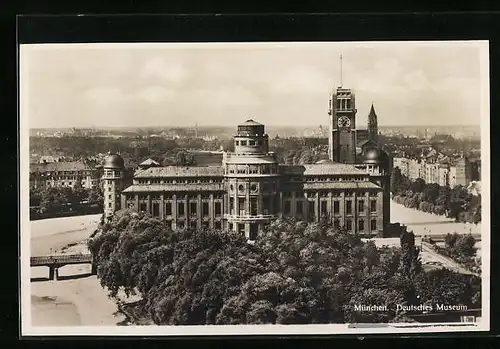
x=279, y=84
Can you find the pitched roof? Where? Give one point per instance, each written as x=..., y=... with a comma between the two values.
x=142, y=188
x=60, y=166
x=149, y=162
x=181, y=171
x=331, y=169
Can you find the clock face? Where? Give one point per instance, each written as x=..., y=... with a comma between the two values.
x=344, y=121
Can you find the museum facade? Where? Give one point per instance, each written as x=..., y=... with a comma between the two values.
x=251, y=188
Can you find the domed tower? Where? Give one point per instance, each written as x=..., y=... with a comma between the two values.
x=377, y=164
x=112, y=179
x=251, y=177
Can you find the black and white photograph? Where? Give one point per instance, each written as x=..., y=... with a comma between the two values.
x=254, y=188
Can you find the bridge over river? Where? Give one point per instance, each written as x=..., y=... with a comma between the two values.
x=54, y=262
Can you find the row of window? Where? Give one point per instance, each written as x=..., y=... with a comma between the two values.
x=336, y=207
x=112, y=173
x=361, y=208
x=192, y=208
x=326, y=193
x=178, y=197
x=299, y=208
x=49, y=177
x=254, y=187
x=250, y=142
x=177, y=181
x=66, y=173
x=335, y=179
x=70, y=183
x=343, y=104
x=266, y=206
x=348, y=224
x=246, y=169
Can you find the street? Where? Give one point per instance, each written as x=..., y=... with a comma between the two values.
x=423, y=223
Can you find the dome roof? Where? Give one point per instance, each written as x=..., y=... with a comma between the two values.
x=374, y=156
x=114, y=161
x=250, y=122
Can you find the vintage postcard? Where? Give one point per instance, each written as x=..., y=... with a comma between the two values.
x=254, y=188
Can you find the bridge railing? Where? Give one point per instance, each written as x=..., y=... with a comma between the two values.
x=61, y=259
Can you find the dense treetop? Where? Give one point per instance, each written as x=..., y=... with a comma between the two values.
x=293, y=273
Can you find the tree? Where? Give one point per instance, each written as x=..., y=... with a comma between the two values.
x=183, y=158
x=418, y=185
x=450, y=240
x=443, y=198
x=306, y=158
x=465, y=246
x=396, y=179
x=442, y=286
x=431, y=192
x=180, y=158
x=410, y=260
x=95, y=196
x=293, y=273
x=289, y=157
x=261, y=312
x=372, y=257
x=455, y=208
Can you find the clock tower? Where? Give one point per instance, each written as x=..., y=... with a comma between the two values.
x=342, y=135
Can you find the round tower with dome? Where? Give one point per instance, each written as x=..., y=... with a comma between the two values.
x=377, y=164
x=112, y=181
x=251, y=176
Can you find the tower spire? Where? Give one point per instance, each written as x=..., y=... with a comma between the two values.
x=372, y=125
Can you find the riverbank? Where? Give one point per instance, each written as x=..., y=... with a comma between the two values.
x=78, y=299
x=51, y=235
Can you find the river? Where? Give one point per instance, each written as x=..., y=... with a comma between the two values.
x=79, y=299
x=49, y=235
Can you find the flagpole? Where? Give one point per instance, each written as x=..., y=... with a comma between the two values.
x=340, y=70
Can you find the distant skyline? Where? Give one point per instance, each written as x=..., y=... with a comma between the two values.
x=278, y=84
